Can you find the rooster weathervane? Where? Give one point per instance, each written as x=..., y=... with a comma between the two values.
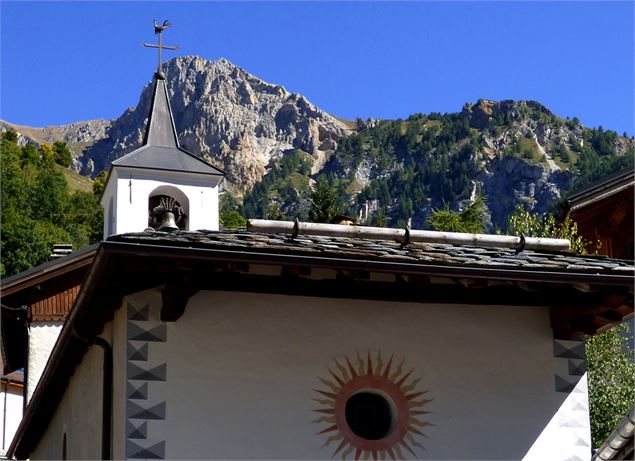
x=158, y=29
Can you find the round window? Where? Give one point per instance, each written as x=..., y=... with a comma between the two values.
x=369, y=415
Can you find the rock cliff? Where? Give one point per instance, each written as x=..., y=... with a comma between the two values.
x=230, y=117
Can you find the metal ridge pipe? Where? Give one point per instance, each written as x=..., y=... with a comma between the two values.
x=408, y=235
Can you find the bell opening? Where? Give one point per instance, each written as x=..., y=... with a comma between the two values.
x=166, y=214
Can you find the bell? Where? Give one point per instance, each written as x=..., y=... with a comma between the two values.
x=168, y=224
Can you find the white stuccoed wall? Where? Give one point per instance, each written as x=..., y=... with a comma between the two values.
x=130, y=190
x=235, y=377
x=242, y=369
x=78, y=414
x=11, y=408
x=42, y=337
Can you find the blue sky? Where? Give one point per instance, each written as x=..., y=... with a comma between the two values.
x=63, y=62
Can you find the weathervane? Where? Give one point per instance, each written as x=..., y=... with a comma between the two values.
x=157, y=30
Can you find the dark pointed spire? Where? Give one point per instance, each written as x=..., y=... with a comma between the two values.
x=160, y=130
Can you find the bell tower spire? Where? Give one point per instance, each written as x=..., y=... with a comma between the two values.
x=160, y=186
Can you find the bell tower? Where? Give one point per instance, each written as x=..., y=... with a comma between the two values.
x=160, y=185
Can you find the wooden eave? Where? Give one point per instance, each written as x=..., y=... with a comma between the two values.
x=617, y=184
x=48, y=271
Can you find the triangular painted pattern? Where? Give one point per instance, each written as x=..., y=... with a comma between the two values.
x=138, y=392
x=136, y=451
x=137, y=352
x=581, y=443
x=143, y=313
x=568, y=349
x=158, y=373
x=574, y=458
x=566, y=420
x=580, y=407
x=138, y=333
x=577, y=367
x=138, y=412
x=137, y=431
x=564, y=384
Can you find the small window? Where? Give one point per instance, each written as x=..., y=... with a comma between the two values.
x=369, y=415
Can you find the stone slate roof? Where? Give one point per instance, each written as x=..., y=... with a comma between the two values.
x=382, y=251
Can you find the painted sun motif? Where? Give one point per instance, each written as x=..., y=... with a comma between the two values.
x=371, y=410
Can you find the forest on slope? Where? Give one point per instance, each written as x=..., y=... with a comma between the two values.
x=392, y=172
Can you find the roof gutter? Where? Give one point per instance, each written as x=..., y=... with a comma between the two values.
x=581, y=203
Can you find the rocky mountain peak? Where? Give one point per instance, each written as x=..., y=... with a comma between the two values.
x=232, y=118
x=483, y=111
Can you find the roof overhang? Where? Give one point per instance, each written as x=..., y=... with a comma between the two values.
x=600, y=190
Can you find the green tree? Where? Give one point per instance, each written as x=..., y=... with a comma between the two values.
x=529, y=224
x=323, y=207
x=84, y=219
x=30, y=155
x=61, y=154
x=99, y=183
x=10, y=135
x=50, y=196
x=611, y=371
x=471, y=219
x=28, y=243
x=36, y=208
x=275, y=213
x=232, y=219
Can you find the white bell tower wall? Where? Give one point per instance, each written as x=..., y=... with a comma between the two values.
x=128, y=191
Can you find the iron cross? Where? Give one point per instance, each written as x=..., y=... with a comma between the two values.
x=158, y=29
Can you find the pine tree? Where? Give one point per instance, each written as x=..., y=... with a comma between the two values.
x=323, y=208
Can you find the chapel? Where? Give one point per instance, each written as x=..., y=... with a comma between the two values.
x=291, y=340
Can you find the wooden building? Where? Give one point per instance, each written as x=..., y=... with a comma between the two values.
x=603, y=211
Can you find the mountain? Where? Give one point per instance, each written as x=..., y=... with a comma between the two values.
x=510, y=152
x=234, y=119
x=274, y=144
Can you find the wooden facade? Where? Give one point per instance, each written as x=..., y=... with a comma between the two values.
x=56, y=306
x=603, y=212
